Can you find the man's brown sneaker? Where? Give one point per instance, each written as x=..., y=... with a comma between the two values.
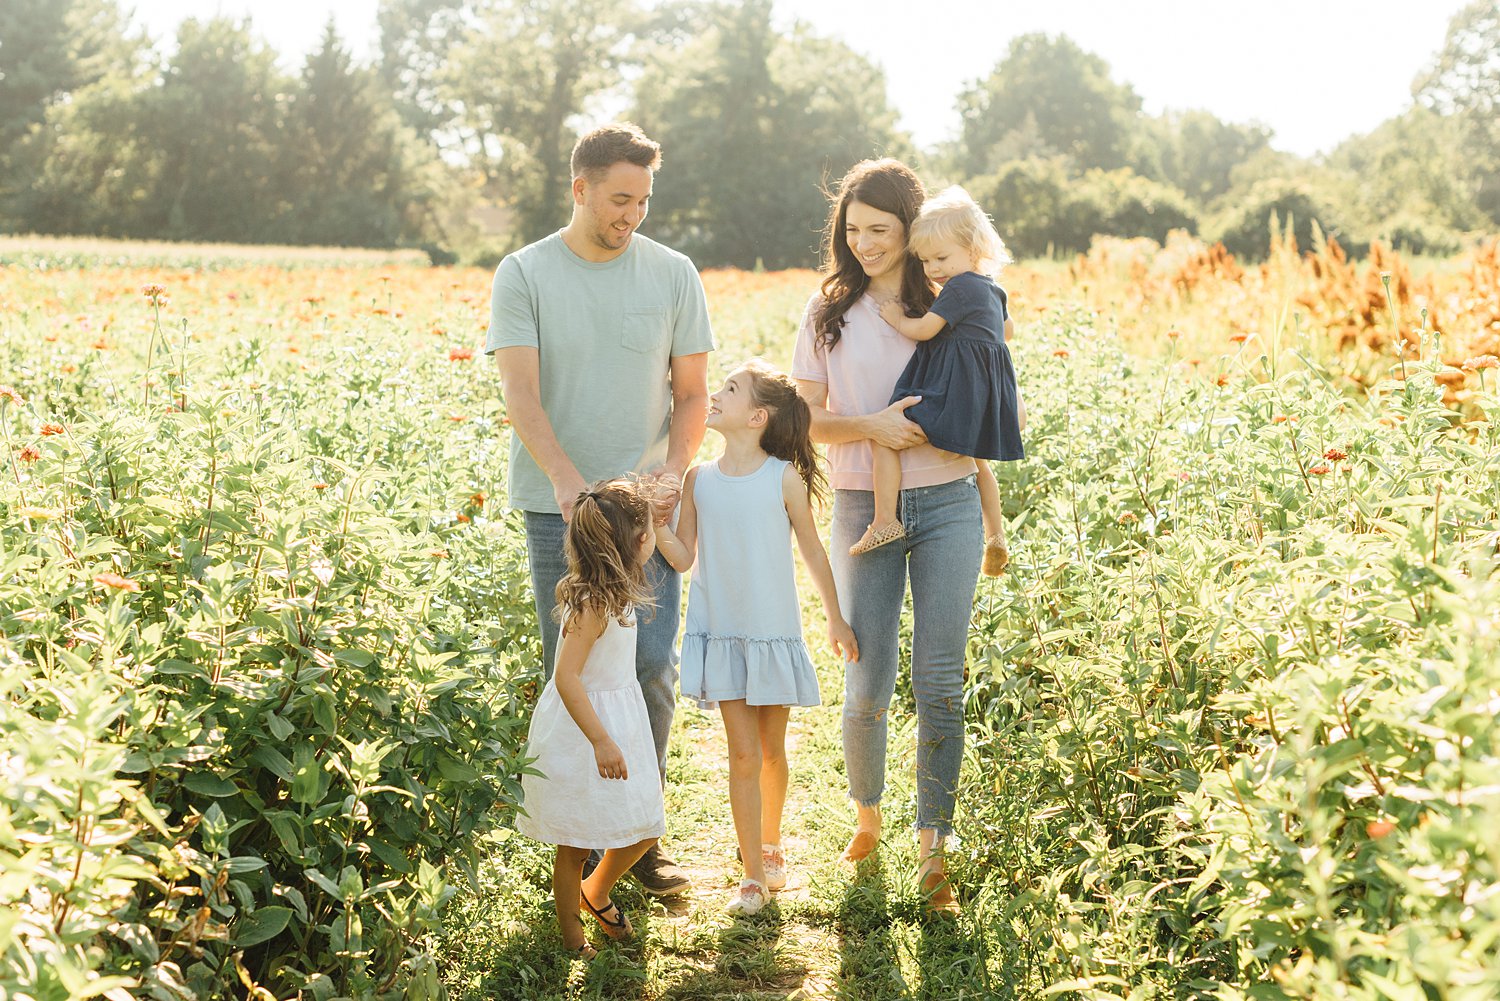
x=659, y=875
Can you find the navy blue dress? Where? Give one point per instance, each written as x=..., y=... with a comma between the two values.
x=964, y=375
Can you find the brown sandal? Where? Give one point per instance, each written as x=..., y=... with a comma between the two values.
x=937, y=895
x=619, y=929
x=996, y=555
x=861, y=846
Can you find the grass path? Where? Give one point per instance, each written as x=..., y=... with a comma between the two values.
x=833, y=933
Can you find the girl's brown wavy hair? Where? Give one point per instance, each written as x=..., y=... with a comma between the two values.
x=890, y=186
x=788, y=432
x=602, y=544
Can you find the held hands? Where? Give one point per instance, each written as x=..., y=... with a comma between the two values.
x=841, y=638
x=611, y=761
x=662, y=487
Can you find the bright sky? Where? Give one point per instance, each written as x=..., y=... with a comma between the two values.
x=1315, y=71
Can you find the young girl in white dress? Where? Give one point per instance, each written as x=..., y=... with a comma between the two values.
x=743, y=646
x=599, y=785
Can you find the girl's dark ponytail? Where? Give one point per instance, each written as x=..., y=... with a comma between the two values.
x=788, y=431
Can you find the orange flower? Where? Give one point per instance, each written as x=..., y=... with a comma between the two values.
x=438, y=554
x=1172, y=335
x=1282, y=419
x=1222, y=380
x=29, y=454
x=1334, y=455
x=153, y=291
x=1239, y=338
x=1061, y=353
x=458, y=418
x=1378, y=829
x=1318, y=470
x=476, y=499
x=505, y=422
x=463, y=519
x=114, y=580
x=460, y=354
x=1482, y=361
x=320, y=485
x=1128, y=518
x=49, y=429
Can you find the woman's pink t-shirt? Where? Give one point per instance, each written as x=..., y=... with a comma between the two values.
x=860, y=373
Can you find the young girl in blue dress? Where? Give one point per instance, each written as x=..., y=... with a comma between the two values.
x=598, y=785
x=970, y=404
x=743, y=648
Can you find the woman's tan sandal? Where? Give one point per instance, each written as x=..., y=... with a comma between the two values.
x=619, y=928
x=874, y=538
x=937, y=894
x=996, y=555
x=861, y=846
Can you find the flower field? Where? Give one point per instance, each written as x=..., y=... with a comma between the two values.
x=267, y=650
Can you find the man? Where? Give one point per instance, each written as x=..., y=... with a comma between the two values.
x=601, y=336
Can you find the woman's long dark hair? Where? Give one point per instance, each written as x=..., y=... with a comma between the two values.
x=788, y=432
x=890, y=186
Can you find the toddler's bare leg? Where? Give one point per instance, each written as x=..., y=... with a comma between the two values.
x=884, y=527
x=996, y=550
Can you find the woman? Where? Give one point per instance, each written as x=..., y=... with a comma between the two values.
x=846, y=362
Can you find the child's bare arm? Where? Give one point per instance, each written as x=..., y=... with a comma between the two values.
x=921, y=328
x=578, y=639
x=680, y=547
x=799, y=510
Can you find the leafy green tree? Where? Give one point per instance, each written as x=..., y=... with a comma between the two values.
x=1200, y=152
x=514, y=82
x=1245, y=228
x=1395, y=189
x=1464, y=81
x=754, y=123
x=415, y=39
x=211, y=130
x=1046, y=97
x=355, y=175
x=48, y=50
x=1041, y=210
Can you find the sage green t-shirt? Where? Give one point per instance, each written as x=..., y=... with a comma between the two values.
x=606, y=334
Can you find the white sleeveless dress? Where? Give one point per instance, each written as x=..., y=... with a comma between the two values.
x=570, y=803
x=743, y=638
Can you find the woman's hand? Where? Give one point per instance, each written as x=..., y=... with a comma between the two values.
x=841, y=638
x=890, y=427
x=611, y=761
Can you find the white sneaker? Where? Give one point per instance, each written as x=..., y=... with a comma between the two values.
x=748, y=900
x=774, y=860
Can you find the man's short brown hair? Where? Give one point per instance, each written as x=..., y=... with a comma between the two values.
x=601, y=149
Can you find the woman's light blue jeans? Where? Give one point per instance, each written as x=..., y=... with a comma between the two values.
x=656, y=632
x=941, y=552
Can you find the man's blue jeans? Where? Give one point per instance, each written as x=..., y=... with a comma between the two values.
x=656, y=634
x=941, y=551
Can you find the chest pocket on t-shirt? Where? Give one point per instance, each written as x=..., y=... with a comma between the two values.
x=646, y=330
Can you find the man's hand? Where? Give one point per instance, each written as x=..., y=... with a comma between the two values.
x=664, y=492
x=893, y=430
x=566, y=494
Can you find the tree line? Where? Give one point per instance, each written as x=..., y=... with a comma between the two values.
x=477, y=102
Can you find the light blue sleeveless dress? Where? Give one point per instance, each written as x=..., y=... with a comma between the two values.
x=744, y=624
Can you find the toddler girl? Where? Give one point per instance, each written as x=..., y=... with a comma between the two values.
x=743, y=645
x=590, y=736
x=962, y=371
